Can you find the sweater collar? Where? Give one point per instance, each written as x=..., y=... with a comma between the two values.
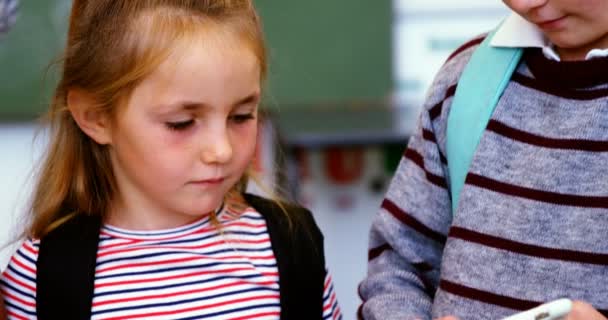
x=581, y=74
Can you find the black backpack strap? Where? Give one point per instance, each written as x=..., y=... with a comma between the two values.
x=65, y=270
x=298, y=249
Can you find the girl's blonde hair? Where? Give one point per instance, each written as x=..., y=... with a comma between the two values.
x=112, y=46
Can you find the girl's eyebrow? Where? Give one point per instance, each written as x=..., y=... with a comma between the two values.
x=179, y=105
x=254, y=97
x=187, y=105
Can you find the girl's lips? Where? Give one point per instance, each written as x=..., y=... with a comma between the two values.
x=208, y=181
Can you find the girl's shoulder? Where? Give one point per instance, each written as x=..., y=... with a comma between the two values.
x=294, y=217
x=26, y=255
x=18, y=282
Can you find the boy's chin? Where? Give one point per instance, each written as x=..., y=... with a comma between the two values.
x=571, y=49
x=573, y=42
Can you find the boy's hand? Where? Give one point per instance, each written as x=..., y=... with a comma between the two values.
x=580, y=311
x=583, y=311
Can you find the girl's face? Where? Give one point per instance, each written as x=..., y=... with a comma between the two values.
x=186, y=137
x=574, y=26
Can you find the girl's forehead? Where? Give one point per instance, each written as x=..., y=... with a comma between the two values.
x=206, y=59
x=196, y=42
x=201, y=73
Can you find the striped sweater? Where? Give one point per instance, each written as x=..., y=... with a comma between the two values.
x=532, y=220
x=190, y=272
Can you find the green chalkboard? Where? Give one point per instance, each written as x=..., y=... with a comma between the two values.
x=327, y=51
x=26, y=53
x=321, y=52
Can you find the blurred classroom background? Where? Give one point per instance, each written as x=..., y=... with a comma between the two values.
x=347, y=79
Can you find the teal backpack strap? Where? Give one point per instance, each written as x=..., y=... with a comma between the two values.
x=479, y=88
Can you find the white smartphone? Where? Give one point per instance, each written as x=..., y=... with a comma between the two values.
x=554, y=310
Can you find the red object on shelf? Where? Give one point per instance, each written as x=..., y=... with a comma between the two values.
x=344, y=165
x=302, y=163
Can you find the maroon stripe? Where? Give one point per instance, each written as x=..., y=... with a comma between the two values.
x=538, y=195
x=485, y=296
x=491, y=298
x=533, y=139
x=435, y=111
x=528, y=249
x=415, y=157
x=419, y=161
x=436, y=180
x=429, y=135
x=375, y=252
x=465, y=46
x=557, y=91
x=411, y=222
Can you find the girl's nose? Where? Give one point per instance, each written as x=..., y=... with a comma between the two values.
x=217, y=148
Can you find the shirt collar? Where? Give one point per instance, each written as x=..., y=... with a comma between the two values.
x=516, y=32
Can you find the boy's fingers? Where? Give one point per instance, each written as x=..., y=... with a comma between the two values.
x=583, y=311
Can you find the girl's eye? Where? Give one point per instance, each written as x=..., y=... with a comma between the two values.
x=242, y=118
x=180, y=125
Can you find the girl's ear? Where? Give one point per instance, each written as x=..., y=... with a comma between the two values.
x=92, y=121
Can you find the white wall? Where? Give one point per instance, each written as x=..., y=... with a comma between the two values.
x=427, y=31
x=19, y=149
x=344, y=214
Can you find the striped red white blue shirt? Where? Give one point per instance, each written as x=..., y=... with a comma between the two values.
x=195, y=271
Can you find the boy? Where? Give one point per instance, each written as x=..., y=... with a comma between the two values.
x=531, y=221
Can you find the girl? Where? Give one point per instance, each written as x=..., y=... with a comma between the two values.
x=139, y=211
